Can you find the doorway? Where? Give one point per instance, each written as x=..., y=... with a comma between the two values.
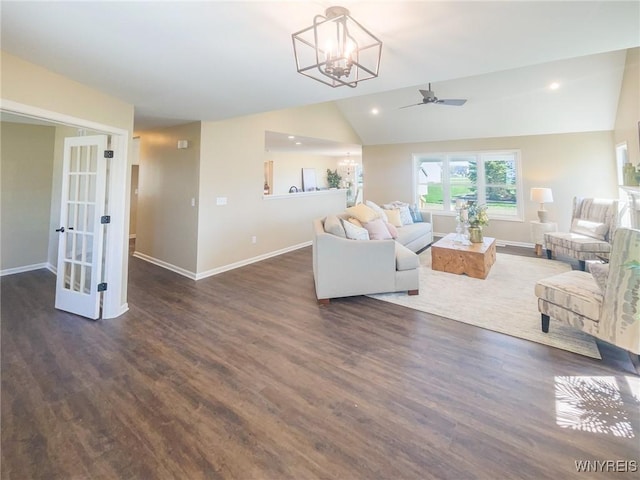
x=114, y=299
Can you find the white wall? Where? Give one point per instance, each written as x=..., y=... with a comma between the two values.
x=581, y=164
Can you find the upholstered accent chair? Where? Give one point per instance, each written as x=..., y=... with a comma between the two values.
x=605, y=303
x=593, y=223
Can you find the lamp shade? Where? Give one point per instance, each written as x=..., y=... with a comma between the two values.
x=541, y=195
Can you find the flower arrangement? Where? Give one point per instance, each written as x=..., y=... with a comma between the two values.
x=477, y=215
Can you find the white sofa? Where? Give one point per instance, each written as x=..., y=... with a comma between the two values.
x=343, y=267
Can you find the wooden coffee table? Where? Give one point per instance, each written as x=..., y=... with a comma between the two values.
x=475, y=259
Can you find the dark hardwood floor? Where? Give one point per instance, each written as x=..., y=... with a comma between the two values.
x=244, y=376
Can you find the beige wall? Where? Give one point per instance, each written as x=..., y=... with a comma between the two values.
x=627, y=128
x=26, y=169
x=29, y=84
x=231, y=166
x=167, y=223
x=287, y=169
x=581, y=164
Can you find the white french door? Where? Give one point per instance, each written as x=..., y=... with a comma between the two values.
x=81, y=239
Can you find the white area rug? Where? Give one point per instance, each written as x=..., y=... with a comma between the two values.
x=503, y=302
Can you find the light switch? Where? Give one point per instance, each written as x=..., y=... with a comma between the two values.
x=221, y=200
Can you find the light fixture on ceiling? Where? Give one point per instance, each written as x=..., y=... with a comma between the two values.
x=336, y=50
x=554, y=86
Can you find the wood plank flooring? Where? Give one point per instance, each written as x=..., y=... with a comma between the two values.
x=244, y=376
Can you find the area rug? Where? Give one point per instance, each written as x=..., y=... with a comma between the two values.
x=504, y=302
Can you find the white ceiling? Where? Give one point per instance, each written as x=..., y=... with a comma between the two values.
x=185, y=61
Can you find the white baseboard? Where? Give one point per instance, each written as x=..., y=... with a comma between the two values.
x=167, y=265
x=52, y=268
x=123, y=309
x=217, y=270
x=25, y=268
x=248, y=261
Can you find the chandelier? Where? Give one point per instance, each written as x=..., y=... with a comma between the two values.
x=336, y=50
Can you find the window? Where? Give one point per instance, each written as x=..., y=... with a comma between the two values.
x=491, y=178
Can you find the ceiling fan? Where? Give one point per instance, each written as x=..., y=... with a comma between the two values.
x=429, y=97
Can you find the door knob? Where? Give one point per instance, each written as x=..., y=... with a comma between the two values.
x=61, y=229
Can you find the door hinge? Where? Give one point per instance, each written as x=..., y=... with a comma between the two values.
x=108, y=154
x=102, y=287
x=105, y=219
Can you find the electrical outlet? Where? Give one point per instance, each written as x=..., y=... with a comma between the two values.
x=221, y=200
x=254, y=239
x=193, y=202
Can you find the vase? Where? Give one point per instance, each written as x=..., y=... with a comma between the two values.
x=475, y=234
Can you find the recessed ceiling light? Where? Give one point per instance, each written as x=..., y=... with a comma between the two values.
x=375, y=111
x=298, y=143
x=291, y=137
x=554, y=86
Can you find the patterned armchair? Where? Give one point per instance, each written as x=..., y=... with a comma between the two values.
x=604, y=303
x=593, y=223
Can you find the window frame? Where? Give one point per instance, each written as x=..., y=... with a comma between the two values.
x=481, y=185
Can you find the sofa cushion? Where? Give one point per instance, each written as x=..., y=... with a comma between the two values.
x=591, y=229
x=392, y=230
x=353, y=232
x=393, y=217
x=377, y=209
x=409, y=233
x=574, y=290
x=405, y=259
x=576, y=241
x=362, y=212
x=377, y=230
x=333, y=225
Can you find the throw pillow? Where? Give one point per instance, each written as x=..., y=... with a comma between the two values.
x=392, y=230
x=353, y=232
x=395, y=204
x=333, y=225
x=600, y=272
x=405, y=215
x=362, y=212
x=590, y=229
x=356, y=222
x=377, y=209
x=393, y=217
x=377, y=230
x=416, y=215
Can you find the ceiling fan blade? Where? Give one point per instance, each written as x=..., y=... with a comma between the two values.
x=413, y=105
x=452, y=101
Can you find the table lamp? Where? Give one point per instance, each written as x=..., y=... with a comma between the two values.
x=542, y=196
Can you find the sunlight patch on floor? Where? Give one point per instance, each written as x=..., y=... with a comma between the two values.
x=597, y=404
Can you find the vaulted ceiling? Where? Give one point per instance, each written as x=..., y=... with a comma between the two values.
x=186, y=61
